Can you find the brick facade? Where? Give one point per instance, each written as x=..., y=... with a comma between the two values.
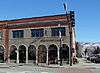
x=46, y=42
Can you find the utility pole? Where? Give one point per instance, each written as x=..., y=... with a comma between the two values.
x=70, y=22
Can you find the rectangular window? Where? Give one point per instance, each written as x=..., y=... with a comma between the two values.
x=37, y=32
x=55, y=31
x=18, y=33
x=1, y=34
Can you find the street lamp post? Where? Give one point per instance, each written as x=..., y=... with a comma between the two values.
x=61, y=52
x=60, y=47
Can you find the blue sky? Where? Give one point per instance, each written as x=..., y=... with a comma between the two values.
x=87, y=13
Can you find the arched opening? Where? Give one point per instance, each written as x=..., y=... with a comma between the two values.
x=52, y=54
x=13, y=54
x=31, y=54
x=42, y=54
x=65, y=53
x=22, y=54
x=1, y=54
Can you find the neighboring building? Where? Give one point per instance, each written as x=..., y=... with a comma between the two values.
x=36, y=40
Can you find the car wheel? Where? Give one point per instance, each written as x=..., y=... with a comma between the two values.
x=94, y=61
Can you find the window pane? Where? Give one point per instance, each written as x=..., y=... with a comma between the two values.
x=1, y=35
x=37, y=32
x=55, y=31
x=18, y=34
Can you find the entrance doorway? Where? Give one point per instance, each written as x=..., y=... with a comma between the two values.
x=65, y=53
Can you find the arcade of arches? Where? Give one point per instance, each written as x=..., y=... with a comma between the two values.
x=31, y=54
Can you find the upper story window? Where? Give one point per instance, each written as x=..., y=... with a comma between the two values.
x=1, y=35
x=37, y=32
x=55, y=31
x=18, y=33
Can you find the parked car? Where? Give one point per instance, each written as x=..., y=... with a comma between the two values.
x=90, y=57
x=95, y=58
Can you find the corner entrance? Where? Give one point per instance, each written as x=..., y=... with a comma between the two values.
x=52, y=54
x=65, y=53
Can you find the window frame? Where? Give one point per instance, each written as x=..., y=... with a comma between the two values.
x=18, y=33
x=55, y=31
x=37, y=32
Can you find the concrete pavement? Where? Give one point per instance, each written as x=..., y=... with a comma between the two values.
x=81, y=67
x=34, y=69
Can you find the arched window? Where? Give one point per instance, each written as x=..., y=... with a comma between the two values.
x=31, y=54
x=22, y=54
x=13, y=54
x=42, y=54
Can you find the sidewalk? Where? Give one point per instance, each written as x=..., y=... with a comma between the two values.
x=82, y=64
x=43, y=68
x=46, y=69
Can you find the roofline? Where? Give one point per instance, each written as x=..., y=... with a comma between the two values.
x=34, y=17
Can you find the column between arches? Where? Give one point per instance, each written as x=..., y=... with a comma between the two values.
x=26, y=55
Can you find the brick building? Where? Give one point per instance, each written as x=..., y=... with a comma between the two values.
x=36, y=40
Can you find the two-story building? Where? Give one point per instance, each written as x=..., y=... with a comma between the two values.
x=36, y=40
